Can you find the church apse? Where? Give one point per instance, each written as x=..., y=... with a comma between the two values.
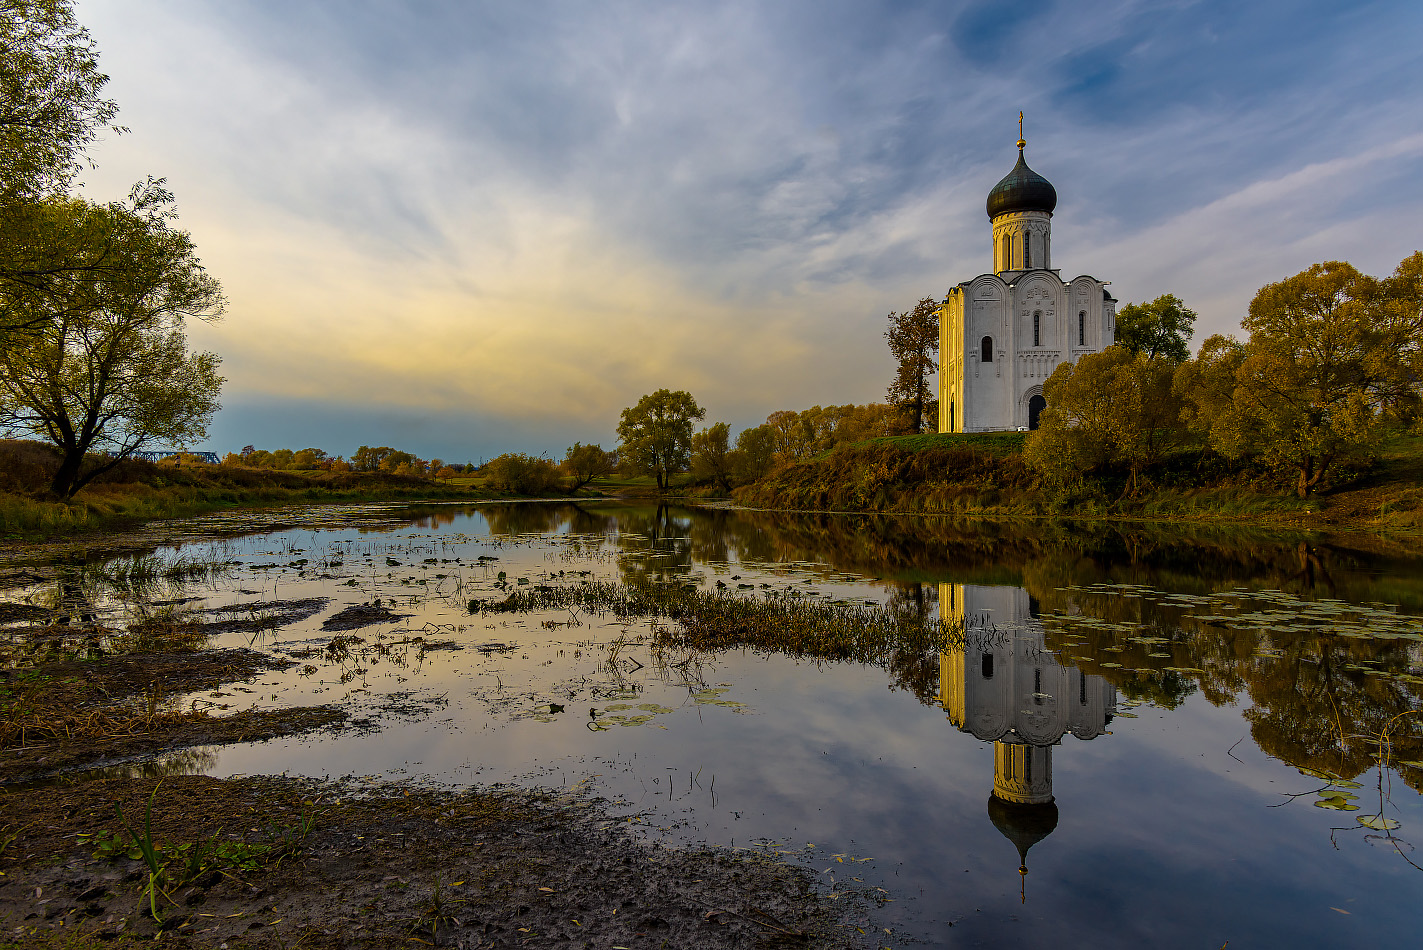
x=1002, y=685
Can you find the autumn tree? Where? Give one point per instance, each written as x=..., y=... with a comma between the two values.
x=105, y=367
x=1315, y=381
x=754, y=455
x=656, y=434
x=711, y=455
x=1113, y=408
x=913, y=339
x=583, y=463
x=521, y=474
x=1160, y=329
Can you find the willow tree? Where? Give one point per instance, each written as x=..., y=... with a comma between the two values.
x=105, y=369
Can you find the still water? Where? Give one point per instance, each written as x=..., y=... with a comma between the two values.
x=1137, y=740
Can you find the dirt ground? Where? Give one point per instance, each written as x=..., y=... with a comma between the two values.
x=266, y=862
x=397, y=867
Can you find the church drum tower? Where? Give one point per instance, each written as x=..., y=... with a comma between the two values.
x=1002, y=334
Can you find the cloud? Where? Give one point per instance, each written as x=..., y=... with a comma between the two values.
x=535, y=213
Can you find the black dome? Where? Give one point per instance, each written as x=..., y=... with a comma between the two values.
x=1022, y=189
x=1024, y=825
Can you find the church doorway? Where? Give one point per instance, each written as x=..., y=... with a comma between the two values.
x=1036, y=405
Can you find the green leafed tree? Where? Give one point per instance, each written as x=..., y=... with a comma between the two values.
x=583, y=463
x=755, y=453
x=913, y=339
x=1112, y=409
x=711, y=455
x=521, y=474
x=51, y=109
x=1314, y=381
x=107, y=368
x=656, y=434
x=51, y=97
x=1159, y=330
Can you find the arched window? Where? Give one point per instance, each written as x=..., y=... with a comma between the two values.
x=987, y=347
x=1038, y=687
x=1082, y=328
x=1037, y=328
x=988, y=666
x=1082, y=687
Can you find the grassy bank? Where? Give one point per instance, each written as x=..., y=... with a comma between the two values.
x=139, y=491
x=984, y=475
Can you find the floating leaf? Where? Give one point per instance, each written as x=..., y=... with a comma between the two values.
x=1377, y=822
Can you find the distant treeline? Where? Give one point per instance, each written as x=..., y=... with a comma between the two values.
x=367, y=458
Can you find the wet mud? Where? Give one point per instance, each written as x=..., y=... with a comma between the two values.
x=383, y=867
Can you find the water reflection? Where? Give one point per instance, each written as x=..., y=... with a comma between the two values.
x=1004, y=686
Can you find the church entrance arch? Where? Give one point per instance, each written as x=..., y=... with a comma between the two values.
x=1036, y=405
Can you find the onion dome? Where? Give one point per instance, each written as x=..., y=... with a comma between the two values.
x=1022, y=189
x=1024, y=825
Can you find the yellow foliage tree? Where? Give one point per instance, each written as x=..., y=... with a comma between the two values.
x=1114, y=408
x=1324, y=372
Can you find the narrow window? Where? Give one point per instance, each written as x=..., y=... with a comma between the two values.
x=1038, y=687
x=988, y=666
x=1027, y=249
x=1007, y=253
x=1082, y=687
x=1037, y=328
x=1082, y=328
x=987, y=347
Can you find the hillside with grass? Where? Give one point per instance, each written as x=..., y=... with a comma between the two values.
x=985, y=475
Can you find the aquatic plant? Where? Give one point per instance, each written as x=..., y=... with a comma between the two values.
x=717, y=620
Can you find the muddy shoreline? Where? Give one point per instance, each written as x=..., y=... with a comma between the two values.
x=274, y=862
x=384, y=867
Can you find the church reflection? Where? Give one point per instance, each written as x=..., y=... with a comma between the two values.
x=1003, y=686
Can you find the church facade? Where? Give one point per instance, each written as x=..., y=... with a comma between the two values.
x=1002, y=334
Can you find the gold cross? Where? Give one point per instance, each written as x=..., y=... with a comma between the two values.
x=1021, y=142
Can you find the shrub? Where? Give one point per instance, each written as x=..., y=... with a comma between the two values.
x=521, y=474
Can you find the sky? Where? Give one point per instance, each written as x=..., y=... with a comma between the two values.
x=464, y=228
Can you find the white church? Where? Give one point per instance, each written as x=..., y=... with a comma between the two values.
x=1003, y=685
x=1002, y=334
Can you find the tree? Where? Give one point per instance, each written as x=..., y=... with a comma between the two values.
x=107, y=368
x=1115, y=407
x=1160, y=329
x=521, y=474
x=914, y=342
x=1400, y=322
x=369, y=458
x=711, y=451
x=50, y=103
x=1314, y=380
x=51, y=109
x=656, y=434
x=755, y=453
x=583, y=463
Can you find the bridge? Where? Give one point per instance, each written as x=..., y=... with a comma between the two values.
x=209, y=457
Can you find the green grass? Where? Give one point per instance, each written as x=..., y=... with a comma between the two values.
x=994, y=443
